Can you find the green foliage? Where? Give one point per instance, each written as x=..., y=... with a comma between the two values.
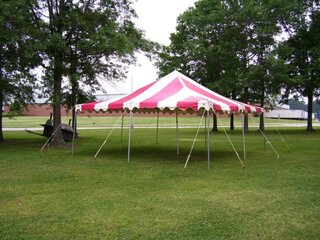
x=302, y=55
x=97, y=40
x=18, y=54
x=15, y=109
x=59, y=196
x=296, y=104
x=229, y=46
x=82, y=41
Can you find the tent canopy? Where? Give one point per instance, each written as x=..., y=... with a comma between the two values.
x=173, y=91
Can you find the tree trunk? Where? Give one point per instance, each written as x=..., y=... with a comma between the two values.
x=57, y=77
x=1, y=106
x=261, y=125
x=310, y=103
x=232, y=122
x=215, y=124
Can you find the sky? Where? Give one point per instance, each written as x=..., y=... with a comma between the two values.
x=158, y=19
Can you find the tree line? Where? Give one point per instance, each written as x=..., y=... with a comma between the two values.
x=254, y=51
x=234, y=47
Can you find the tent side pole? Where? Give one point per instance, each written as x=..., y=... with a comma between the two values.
x=243, y=138
x=129, y=137
x=205, y=130
x=177, y=132
x=208, y=139
x=121, y=135
x=131, y=119
x=157, y=133
x=74, y=130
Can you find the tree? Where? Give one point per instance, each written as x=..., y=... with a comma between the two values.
x=18, y=54
x=81, y=40
x=226, y=45
x=99, y=46
x=302, y=54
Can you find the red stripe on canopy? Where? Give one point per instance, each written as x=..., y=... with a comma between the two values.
x=89, y=107
x=189, y=102
x=172, y=91
x=248, y=109
x=258, y=109
x=119, y=103
x=172, y=88
x=233, y=107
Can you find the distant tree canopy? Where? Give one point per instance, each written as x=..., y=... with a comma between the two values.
x=232, y=47
x=300, y=105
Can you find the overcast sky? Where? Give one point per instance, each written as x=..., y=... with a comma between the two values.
x=158, y=19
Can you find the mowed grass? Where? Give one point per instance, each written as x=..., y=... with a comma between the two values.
x=142, y=120
x=60, y=196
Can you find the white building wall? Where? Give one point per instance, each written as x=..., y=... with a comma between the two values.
x=288, y=114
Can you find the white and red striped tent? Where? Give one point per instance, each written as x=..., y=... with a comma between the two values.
x=173, y=91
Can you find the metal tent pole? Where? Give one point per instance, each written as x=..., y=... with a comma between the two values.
x=208, y=139
x=234, y=149
x=74, y=130
x=131, y=119
x=157, y=133
x=268, y=142
x=129, y=137
x=205, y=130
x=106, y=139
x=243, y=138
x=194, y=141
x=121, y=138
x=177, y=132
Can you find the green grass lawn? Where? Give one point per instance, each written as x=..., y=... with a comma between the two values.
x=108, y=121
x=60, y=196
